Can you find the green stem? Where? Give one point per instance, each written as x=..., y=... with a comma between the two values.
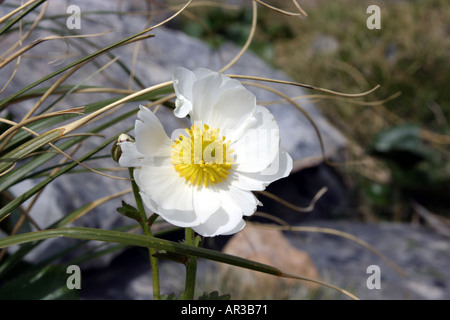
x=147, y=231
x=191, y=266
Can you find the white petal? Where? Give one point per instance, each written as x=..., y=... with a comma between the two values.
x=205, y=93
x=179, y=218
x=183, y=107
x=238, y=228
x=130, y=157
x=220, y=222
x=181, y=214
x=166, y=187
x=281, y=167
x=259, y=145
x=199, y=93
x=232, y=110
x=201, y=73
x=226, y=83
x=206, y=201
x=183, y=80
x=151, y=139
x=243, y=199
x=228, y=218
x=167, y=194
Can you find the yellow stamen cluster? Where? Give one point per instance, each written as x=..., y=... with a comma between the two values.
x=202, y=157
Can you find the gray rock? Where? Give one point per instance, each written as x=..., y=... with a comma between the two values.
x=421, y=254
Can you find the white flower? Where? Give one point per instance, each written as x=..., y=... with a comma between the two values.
x=204, y=178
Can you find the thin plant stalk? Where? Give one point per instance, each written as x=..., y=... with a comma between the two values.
x=191, y=267
x=147, y=231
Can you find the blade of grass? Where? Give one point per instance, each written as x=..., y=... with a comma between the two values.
x=17, y=256
x=88, y=118
x=29, y=193
x=24, y=122
x=69, y=66
x=28, y=147
x=94, y=54
x=22, y=15
x=89, y=108
x=309, y=208
x=17, y=175
x=38, y=41
x=307, y=86
x=29, y=31
x=287, y=13
x=152, y=242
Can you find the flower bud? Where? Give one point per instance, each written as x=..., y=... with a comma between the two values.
x=116, y=150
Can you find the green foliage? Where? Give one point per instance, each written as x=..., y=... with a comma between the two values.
x=171, y=296
x=216, y=26
x=408, y=54
x=214, y=296
x=402, y=145
x=129, y=211
x=48, y=283
x=418, y=170
x=178, y=258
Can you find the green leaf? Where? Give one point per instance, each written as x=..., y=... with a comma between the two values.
x=402, y=144
x=178, y=258
x=22, y=15
x=379, y=194
x=170, y=296
x=26, y=195
x=28, y=147
x=156, y=243
x=214, y=296
x=129, y=211
x=69, y=66
x=48, y=283
x=136, y=240
x=18, y=174
x=42, y=124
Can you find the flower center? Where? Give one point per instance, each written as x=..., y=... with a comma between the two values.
x=202, y=157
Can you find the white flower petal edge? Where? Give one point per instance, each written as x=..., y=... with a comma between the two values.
x=182, y=78
x=177, y=214
x=235, y=204
x=151, y=139
x=281, y=167
x=130, y=157
x=200, y=88
x=257, y=148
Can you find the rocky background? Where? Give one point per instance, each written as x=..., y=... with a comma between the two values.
x=418, y=250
